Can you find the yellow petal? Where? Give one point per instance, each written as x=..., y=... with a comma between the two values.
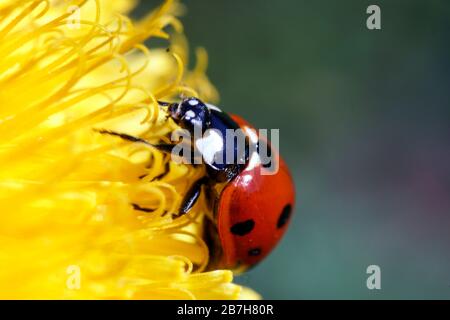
x=68, y=228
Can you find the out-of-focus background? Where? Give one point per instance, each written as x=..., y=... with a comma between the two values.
x=365, y=127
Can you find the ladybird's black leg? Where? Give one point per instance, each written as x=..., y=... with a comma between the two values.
x=163, y=103
x=163, y=147
x=190, y=198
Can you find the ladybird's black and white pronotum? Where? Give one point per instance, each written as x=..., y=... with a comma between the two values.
x=251, y=210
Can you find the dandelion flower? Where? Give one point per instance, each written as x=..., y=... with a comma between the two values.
x=68, y=227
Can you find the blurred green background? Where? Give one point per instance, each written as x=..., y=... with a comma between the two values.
x=365, y=127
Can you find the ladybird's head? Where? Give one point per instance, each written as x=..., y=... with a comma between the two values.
x=190, y=113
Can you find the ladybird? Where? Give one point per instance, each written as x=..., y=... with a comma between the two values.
x=250, y=208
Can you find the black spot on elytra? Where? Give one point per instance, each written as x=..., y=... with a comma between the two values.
x=243, y=228
x=284, y=216
x=254, y=252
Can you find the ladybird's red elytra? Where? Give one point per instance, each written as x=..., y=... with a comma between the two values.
x=267, y=200
x=251, y=209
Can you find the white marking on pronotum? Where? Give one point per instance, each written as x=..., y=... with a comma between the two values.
x=193, y=102
x=190, y=114
x=210, y=144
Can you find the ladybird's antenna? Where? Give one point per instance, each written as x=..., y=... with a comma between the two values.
x=124, y=136
x=163, y=103
x=163, y=147
x=164, y=106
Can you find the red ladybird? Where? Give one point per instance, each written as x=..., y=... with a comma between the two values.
x=253, y=212
x=251, y=207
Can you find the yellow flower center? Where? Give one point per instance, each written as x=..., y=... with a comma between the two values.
x=69, y=227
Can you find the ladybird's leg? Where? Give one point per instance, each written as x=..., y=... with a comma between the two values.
x=191, y=197
x=163, y=147
x=166, y=148
x=164, y=103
